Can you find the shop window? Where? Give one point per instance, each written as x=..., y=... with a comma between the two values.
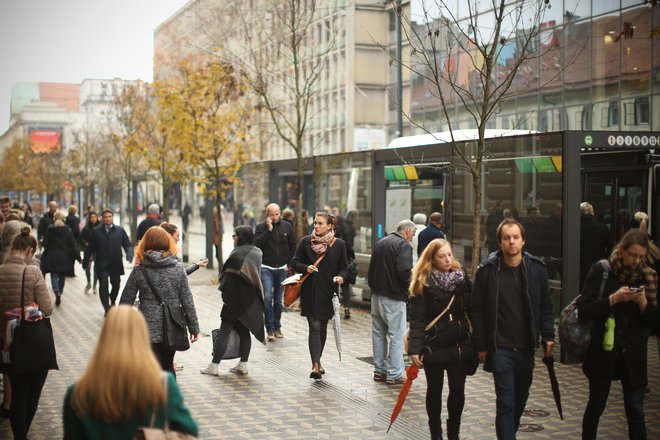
x=637, y=112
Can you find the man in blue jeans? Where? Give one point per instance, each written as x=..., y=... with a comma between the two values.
x=390, y=270
x=277, y=241
x=511, y=308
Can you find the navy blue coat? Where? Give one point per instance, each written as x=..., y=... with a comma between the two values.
x=427, y=235
x=107, y=250
x=483, y=307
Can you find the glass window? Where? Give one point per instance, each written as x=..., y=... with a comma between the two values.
x=613, y=114
x=605, y=6
x=606, y=57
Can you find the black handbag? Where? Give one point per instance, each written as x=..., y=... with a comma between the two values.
x=32, y=348
x=352, y=271
x=233, y=350
x=175, y=333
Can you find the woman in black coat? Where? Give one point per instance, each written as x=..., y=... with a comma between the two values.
x=317, y=291
x=627, y=307
x=60, y=252
x=438, y=284
x=85, y=238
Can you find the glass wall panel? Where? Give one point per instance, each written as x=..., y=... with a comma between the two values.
x=605, y=6
x=575, y=9
x=344, y=181
x=605, y=54
x=636, y=53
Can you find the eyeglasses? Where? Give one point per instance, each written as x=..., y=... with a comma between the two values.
x=640, y=257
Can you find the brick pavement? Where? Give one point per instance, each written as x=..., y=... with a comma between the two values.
x=277, y=400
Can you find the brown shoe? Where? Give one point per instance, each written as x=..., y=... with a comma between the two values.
x=316, y=373
x=398, y=381
x=379, y=377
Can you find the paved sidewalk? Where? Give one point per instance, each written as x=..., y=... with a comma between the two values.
x=277, y=400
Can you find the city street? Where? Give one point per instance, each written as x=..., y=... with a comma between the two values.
x=277, y=400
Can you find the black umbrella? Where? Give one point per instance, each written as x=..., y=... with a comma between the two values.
x=550, y=363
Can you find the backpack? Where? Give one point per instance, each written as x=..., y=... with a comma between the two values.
x=574, y=333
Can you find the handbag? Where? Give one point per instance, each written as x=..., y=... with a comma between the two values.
x=292, y=291
x=233, y=350
x=165, y=433
x=406, y=334
x=32, y=348
x=175, y=333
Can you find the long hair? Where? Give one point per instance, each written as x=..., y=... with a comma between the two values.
x=422, y=269
x=156, y=239
x=123, y=376
x=244, y=234
x=633, y=236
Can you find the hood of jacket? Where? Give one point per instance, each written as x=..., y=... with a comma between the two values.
x=59, y=231
x=157, y=259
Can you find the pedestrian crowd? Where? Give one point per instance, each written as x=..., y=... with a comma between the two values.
x=424, y=304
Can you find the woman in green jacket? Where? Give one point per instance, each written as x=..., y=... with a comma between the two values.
x=116, y=394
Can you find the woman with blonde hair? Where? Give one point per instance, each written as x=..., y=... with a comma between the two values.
x=159, y=269
x=122, y=386
x=440, y=286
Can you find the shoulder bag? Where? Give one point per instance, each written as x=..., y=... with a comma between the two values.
x=152, y=433
x=32, y=348
x=429, y=325
x=292, y=291
x=175, y=333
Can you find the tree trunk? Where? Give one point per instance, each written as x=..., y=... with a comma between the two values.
x=166, y=200
x=476, y=223
x=219, y=225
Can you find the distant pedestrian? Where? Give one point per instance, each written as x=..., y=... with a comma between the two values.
x=511, y=308
x=495, y=217
x=122, y=387
x=60, y=253
x=389, y=280
x=5, y=206
x=152, y=219
x=47, y=220
x=419, y=220
x=438, y=284
x=88, y=257
x=277, y=240
x=173, y=230
x=533, y=232
x=106, y=245
x=15, y=277
x=317, y=292
x=157, y=266
x=342, y=231
x=243, y=301
x=73, y=221
x=289, y=216
x=431, y=232
x=622, y=320
x=595, y=240
x=185, y=216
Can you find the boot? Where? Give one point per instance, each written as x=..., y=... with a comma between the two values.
x=436, y=430
x=58, y=298
x=453, y=429
x=347, y=313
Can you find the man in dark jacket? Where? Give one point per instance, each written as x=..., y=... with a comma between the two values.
x=277, y=241
x=595, y=240
x=106, y=243
x=511, y=308
x=431, y=232
x=389, y=277
x=46, y=221
x=153, y=219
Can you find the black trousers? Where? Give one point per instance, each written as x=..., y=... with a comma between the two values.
x=435, y=375
x=26, y=391
x=165, y=356
x=222, y=340
x=318, y=333
x=108, y=298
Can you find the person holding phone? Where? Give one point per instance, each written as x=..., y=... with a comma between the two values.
x=173, y=230
x=622, y=319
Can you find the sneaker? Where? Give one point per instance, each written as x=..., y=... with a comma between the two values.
x=211, y=369
x=88, y=287
x=271, y=336
x=278, y=334
x=240, y=368
x=398, y=381
x=379, y=377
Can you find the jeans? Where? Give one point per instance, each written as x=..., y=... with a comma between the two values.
x=272, y=279
x=108, y=299
x=388, y=320
x=222, y=340
x=26, y=391
x=87, y=265
x=633, y=401
x=318, y=333
x=57, y=281
x=513, y=372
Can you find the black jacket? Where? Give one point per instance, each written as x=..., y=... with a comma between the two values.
x=145, y=224
x=483, y=306
x=390, y=267
x=595, y=244
x=278, y=245
x=47, y=220
x=60, y=250
x=317, y=290
x=631, y=331
x=426, y=235
x=73, y=222
x=107, y=247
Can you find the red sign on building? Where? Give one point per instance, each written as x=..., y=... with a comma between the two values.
x=45, y=141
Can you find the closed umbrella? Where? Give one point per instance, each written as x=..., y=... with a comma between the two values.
x=336, y=323
x=550, y=363
x=411, y=374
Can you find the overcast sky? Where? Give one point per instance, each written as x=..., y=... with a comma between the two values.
x=71, y=40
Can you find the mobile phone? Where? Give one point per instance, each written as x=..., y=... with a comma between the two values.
x=635, y=289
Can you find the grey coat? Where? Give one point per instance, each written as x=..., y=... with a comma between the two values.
x=170, y=280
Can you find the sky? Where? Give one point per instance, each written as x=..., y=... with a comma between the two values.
x=72, y=40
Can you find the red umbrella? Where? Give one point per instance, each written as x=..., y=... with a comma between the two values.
x=411, y=374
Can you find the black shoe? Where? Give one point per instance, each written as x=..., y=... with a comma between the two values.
x=58, y=299
x=347, y=313
x=316, y=371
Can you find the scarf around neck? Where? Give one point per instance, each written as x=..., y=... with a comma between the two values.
x=446, y=281
x=643, y=275
x=320, y=244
